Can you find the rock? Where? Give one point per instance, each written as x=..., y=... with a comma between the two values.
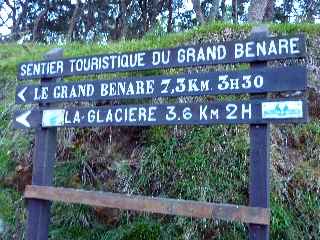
x=108, y=216
x=23, y=177
x=314, y=103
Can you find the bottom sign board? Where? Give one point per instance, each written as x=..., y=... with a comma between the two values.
x=226, y=112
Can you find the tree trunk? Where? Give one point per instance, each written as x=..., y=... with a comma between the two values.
x=199, y=13
x=35, y=31
x=310, y=10
x=214, y=11
x=287, y=9
x=149, y=12
x=73, y=21
x=124, y=16
x=235, y=11
x=268, y=16
x=144, y=15
x=223, y=9
x=36, y=26
x=21, y=17
x=170, y=22
x=154, y=10
x=257, y=10
x=13, y=18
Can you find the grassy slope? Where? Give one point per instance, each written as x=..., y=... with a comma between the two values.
x=186, y=162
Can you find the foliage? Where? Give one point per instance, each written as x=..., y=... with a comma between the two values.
x=172, y=166
x=106, y=21
x=139, y=229
x=76, y=223
x=12, y=213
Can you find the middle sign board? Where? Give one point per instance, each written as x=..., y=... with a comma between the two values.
x=259, y=80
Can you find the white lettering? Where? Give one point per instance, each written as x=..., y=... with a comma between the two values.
x=294, y=45
x=151, y=114
x=181, y=55
x=246, y=110
x=249, y=49
x=23, y=70
x=150, y=86
x=193, y=86
x=261, y=48
x=214, y=113
x=203, y=114
x=91, y=116
x=238, y=50
x=156, y=58
x=283, y=46
x=204, y=85
x=272, y=48
x=222, y=52
x=231, y=110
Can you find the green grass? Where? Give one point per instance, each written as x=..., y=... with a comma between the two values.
x=140, y=229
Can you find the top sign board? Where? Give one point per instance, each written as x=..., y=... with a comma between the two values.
x=207, y=54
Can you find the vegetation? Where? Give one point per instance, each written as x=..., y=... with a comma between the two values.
x=187, y=162
x=53, y=21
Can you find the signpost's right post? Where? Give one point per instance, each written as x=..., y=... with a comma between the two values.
x=259, y=185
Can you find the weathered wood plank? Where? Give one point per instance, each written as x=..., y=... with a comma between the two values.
x=168, y=206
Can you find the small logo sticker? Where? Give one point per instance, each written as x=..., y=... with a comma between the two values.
x=283, y=109
x=53, y=118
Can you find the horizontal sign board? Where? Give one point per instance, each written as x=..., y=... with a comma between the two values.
x=206, y=54
x=250, y=81
x=232, y=112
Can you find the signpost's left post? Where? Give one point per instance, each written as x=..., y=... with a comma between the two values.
x=42, y=173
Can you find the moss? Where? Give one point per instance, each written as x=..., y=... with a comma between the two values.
x=287, y=28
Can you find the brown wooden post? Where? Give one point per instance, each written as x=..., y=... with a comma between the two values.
x=42, y=173
x=259, y=186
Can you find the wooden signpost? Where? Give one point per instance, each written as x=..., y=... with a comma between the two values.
x=258, y=112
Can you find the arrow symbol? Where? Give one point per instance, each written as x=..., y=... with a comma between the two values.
x=22, y=119
x=20, y=94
